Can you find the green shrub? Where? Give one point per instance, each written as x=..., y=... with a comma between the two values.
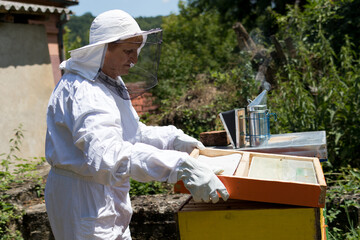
x=319, y=89
x=342, y=210
x=21, y=172
x=149, y=188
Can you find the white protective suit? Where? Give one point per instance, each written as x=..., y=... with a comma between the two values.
x=95, y=143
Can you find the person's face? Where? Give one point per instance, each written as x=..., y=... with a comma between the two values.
x=120, y=55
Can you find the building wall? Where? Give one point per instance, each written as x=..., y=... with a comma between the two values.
x=52, y=32
x=26, y=82
x=144, y=104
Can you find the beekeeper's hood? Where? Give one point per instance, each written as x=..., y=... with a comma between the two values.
x=109, y=27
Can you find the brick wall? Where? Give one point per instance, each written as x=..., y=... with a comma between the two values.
x=144, y=104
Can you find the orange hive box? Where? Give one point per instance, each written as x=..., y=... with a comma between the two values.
x=263, y=177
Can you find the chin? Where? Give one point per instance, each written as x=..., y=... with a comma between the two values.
x=124, y=74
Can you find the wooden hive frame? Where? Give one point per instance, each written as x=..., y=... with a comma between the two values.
x=241, y=186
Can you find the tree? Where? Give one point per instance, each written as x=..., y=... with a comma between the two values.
x=79, y=28
x=147, y=23
x=318, y=89
x=201, y=73
x=251, y=14
x=70, y=45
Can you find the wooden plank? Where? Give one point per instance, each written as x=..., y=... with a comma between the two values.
x=195, y=153
x=216, y=152
x=244, y=164
x=241, y=127
x=319, y=172
x=230, y=204
x=301, y=194
x=214, y=138
x=321, y=181
x=323, y=224
x=270, y=155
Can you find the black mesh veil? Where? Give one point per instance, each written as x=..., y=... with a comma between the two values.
x=143, y=75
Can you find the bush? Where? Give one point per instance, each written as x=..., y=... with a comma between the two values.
x=319, y=89
x=149, y=188
x=10, y=214
x=342, y=207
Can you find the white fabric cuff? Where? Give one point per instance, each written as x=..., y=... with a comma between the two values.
x=173, y=177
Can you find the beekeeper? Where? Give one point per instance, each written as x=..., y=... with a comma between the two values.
x=95, y=142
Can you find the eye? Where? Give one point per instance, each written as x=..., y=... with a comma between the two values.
x=129, y=51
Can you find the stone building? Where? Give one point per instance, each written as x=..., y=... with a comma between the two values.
x=30, y=53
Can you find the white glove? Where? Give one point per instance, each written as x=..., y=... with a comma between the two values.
x=201, y=181
x=185, y=143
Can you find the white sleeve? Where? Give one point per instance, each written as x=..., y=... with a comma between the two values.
x=97, y=132
x=161, y=137
x=149, y=163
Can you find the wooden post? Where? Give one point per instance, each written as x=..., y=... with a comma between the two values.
x=279, y=52
x=244, y=40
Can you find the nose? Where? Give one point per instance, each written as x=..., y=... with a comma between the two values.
x=134, y=57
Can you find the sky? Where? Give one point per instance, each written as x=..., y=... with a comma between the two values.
x=136, y=8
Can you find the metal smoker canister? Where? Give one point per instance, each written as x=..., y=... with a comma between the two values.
x=259, y=129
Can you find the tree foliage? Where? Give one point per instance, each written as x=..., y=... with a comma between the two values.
x=319, y=88
x=147, y=23
x=252, y=14
x=200, y=71
x=192, y=46
x=78, y=27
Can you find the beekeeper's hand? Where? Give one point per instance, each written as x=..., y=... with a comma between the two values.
x=185, y=143
x=201, y=181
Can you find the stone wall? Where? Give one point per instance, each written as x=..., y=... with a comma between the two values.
x=154, y=218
